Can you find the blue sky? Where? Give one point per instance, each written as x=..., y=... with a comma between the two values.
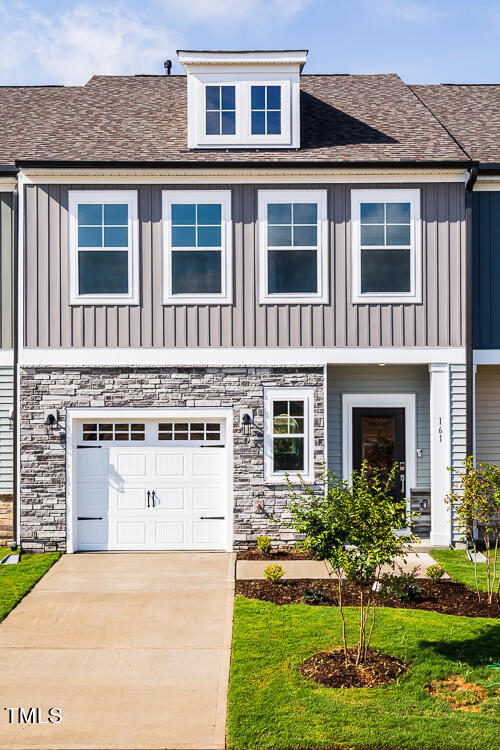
x=425, y=41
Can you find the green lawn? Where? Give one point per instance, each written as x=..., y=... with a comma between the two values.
x=458, y=566
x=17, y=580
x=272, y=706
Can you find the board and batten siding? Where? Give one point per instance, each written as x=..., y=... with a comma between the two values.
x=374, y=379
x=488, y=413
x=6, y=431
x=6, y=270
x=51, y=322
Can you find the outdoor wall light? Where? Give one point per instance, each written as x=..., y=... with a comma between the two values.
x=51, y=421
x=246, y=422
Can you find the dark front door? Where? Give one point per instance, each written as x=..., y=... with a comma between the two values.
x=378, y=437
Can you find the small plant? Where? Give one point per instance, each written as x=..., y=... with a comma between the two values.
x=401, y=586
x=315, y=597
x=264, y=544
x=435, y=573
x=274, y=573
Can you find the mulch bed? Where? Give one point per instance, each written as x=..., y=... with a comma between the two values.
x=287, y=553
x=328, y=668
x=447, y=597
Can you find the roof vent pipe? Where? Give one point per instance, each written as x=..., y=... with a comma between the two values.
x=168, y=67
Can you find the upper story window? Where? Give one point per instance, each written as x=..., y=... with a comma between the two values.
x=293, y=246
x=386, y=246
x=243, y=99
x=103, y=240
x=197, y=263
x=266, y=110
x=220, y=110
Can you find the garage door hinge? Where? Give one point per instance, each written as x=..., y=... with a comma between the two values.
x=212, y=518
x=212, y=446
x=89, y=446
x=90, y=518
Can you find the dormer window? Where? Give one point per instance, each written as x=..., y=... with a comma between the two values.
x=220, y=110
x=243, y=99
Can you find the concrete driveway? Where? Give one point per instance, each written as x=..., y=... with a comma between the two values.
x=133, y=649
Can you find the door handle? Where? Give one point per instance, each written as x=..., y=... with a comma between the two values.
x=153, y=498
x=149, y=495
x=402, y=475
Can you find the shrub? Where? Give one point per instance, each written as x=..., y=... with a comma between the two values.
x=400, y=586
x=264, y=544
x=274, y=573
x=435, y=573
x=315, y=597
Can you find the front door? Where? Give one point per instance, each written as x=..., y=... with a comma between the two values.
x=379, y=439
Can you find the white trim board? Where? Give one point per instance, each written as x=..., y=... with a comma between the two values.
x=486, y=357
x=289, y=394
x=237, y=356
x=407, y=401
x=196, y=176
x=6, y=358
x=136, y=413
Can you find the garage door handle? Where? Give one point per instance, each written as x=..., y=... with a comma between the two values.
x=90, y=518
x=212, y=518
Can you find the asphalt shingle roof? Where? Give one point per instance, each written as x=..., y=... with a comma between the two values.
x=359, y=118
x=471, y=113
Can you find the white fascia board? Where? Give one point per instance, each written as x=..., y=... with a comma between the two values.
x=486, y=357
x=487, y=184
x=237, y=356
x=7, y=184
x=218, y=175
x=202, y=58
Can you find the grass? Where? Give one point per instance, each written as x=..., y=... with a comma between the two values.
x=17, y=580
x=457, y=565
x=272, y=706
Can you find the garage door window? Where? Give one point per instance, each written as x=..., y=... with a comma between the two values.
x=119, y=431
x=189, y=431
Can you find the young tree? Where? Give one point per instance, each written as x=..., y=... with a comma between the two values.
x=475, y=502
x=354, y=527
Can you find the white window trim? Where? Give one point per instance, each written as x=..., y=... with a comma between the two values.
x=199, y=196
x=243, y=138
x=104, y=196
x=283, y=394
x=294, y=196
x=411, y=196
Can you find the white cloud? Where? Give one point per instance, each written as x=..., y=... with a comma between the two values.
x=72, y=46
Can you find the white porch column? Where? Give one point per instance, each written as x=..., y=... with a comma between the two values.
x=440, y=453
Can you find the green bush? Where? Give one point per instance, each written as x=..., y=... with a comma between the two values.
x=435, y=573
x=264, y=544
x=274, y=573
x=401, y=586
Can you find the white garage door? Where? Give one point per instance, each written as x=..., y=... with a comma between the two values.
x=152, y=485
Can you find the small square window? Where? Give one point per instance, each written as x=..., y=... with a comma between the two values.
x=287, y=435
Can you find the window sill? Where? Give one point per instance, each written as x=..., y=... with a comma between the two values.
x=106, y=301
x=280, y=480
x=386, y=299
x=293, y=300
x=200, y=301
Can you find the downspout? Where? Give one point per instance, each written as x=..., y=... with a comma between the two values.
x=15, y=410
x=469, y=313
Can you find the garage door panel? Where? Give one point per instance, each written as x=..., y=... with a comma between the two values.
x=172, y=532
x=207, y=463
x=131, y=533
x=93, y=464
x=170, y=465
x=92, y=534
x=207, y=498
x=92, y=499
x=131, y=498
x=173, y=498
x=210, y=533
x=130, y=465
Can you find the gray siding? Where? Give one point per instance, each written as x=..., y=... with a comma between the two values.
x=488, y=413
x=6, y=450
x=375, y=379
x=6, y=270
x=486, y=269
x=458, y=427
x=50, y=321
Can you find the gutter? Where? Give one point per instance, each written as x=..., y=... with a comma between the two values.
x=221, y=164
x=8, y=169
x=469, y=352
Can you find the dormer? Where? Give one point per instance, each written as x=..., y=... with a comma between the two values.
x=243, y=99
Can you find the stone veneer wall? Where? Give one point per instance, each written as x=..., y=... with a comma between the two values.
x=43, y=457
x=6, y=518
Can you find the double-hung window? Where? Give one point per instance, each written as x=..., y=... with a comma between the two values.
x=293, y=246
x=288, y=433
x=103, y=239
x=220, y=110
x=386, y=246
x=197, y=247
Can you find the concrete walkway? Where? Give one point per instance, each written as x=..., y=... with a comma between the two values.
x=133, y=648
x=316, y=569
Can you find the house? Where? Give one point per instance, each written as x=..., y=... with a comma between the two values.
x=470, y=113
x=226, y=277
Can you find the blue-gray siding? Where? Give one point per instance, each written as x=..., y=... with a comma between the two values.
x=486, y=269
x=438, y=321
x=6, y=276
x=375, y=379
